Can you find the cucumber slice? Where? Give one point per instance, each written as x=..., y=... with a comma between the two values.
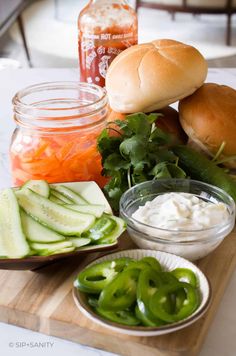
x=63, y=250
x=61, y=197
x=36, y=232
x=70, y=194
x=56, y=217
x=96, y=210
x=113, y=236
x=80, y=241
x=51, y=247
x=38, y=186
x=54, y=246
x=103, y=227
x=56, y=200
x=13, y=242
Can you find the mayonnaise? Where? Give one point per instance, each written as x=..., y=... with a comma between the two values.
x=181, y=211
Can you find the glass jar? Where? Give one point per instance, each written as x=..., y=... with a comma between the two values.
x=106, y=28
x=57, y=127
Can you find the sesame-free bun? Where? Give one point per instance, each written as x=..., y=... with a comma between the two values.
x=153, y=75
x=209, y=118
x=170, y=124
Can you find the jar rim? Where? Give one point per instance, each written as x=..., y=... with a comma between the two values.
x=16, y=100
x=64, y=109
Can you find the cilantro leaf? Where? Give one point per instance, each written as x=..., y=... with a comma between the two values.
x=159, y=136
x=115, y=188
x=126, y=131
x=167, y=170
x=134, y=149
x=154, y=117
x=115, y=162
x=160, y=171
x=107, y=144
x=176, y=171
x=139, y=124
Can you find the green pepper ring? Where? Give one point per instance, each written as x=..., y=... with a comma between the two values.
x=94, y=278
x=190, y=304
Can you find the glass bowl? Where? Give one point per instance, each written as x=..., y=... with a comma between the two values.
x=190, y=244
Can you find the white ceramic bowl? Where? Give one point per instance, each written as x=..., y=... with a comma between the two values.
x=169, y=262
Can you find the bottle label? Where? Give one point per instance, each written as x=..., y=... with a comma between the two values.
x=108, y=36
x=97, y=51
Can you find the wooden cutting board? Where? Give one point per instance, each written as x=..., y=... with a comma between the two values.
x=42, y=301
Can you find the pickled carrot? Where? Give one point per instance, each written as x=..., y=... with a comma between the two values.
x=57, y=158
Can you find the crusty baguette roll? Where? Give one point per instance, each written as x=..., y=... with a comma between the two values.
x=209, y=118
x=153, y=75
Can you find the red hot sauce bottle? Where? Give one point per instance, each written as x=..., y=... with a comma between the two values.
x=106, y=28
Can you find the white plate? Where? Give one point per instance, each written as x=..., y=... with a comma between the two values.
x=168, y=262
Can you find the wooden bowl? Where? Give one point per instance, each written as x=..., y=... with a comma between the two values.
x=37, y=262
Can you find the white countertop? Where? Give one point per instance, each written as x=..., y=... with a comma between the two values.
x=221, y=339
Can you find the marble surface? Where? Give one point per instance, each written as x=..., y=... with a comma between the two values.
x=221, y=339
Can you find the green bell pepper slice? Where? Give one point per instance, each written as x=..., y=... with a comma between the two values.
x=176, y=300
x=153, y=262
x=140, y=265
x=124, y=317
x=148, y=283
x=143, y=318
x=120, y=293
x=185, y=275
x=96, y=277
x=93, y=301
x=158, y=300
x=180, y=297
x=146, y=262
x=103, y=227
x=168, y=278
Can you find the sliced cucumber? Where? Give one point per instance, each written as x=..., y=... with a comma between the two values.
x=80, y=241
x=70, y=194
x=103, y=227
x=13, y=242
x=42, y=249
x=56, y=200
x=63, y=250
x=61, y=197
x=38, y=186
x=36, y=232
x=113, y=236
x=54, y=246
x=96, y=210
x=56, y=217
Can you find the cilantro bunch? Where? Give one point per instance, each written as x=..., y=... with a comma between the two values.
x=139, y=151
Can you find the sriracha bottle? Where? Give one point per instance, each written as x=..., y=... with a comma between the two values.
x=106, y=28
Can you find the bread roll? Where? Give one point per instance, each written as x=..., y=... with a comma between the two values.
x=153, y=75
x=169, y=123
x=209, y=118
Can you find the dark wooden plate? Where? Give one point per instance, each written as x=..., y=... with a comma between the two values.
x=37, y=262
